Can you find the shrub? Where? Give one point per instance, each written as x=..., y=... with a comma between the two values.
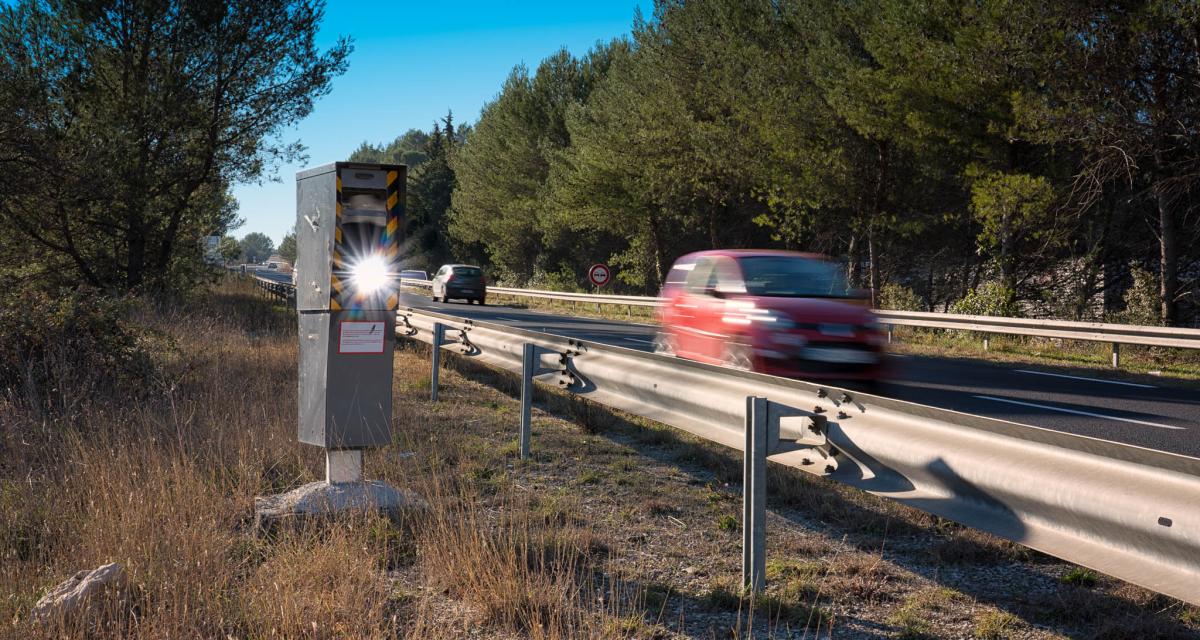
x=989, y=299
x=62, y=347
x=1141, y=300
x=898, y=297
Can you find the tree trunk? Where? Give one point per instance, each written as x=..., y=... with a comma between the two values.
x=1168, y=259
x=657, y=248
x=853, y=259
x=874, y=274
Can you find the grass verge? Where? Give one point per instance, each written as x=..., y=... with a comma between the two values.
x=613, y=530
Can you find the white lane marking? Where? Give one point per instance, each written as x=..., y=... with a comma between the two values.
x=1081, y=413
x=1063, y=375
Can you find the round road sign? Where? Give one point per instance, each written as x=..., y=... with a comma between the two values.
x=599, y=274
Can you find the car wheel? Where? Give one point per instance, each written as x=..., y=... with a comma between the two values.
x=664, y=344
x=738, y=356
x=482, y=302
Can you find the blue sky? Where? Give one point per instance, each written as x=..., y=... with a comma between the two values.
x=412, y=62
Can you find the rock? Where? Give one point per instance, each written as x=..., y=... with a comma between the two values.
x=324, y=499
x=74, y=593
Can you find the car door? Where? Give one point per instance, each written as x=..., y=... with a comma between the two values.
x=713, y=331
x=439, y=284
x=688, y=337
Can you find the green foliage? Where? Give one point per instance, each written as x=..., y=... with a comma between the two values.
x=727, y=523
x=68, y=347
x=229, y=248
x=989, y=299
x=257, y=247
x=898, y=297
x=124, y=126
x=500, y=203
x=1014, y=211
x=407, y=149
x=997, y=625
x=1141, y=299
x=1080, y=576
x=287, y=247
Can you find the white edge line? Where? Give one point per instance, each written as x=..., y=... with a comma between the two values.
x=1063, y=375
x=1081, y=413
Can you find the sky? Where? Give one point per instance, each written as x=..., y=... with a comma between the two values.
x=413, y=62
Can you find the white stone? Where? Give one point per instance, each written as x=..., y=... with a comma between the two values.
x=328, y=498
x=75, y=592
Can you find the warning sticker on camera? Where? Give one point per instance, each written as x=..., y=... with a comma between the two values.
x=360, y=337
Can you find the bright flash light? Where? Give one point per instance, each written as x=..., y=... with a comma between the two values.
x=370, y=274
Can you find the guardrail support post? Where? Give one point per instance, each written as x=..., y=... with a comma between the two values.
x=891, y=330
x=754, y=496
x=986, y=341
x=438, y=330
x=1116, y=355
x=528, y=368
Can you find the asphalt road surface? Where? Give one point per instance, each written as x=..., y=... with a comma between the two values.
x=1159, y=416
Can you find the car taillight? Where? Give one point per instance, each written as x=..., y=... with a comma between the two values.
x=482, y=279
x=450, y=278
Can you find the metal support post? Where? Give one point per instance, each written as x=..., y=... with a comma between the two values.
x=438, y=330
x=528, y=369
x=343, y=465
x=986, y=342
x=891, y=330
x=1116, y=355
x=754, y=496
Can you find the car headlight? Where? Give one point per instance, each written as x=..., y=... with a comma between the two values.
x=773, y=319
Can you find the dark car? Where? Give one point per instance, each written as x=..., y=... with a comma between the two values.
x=462, y=281
x=778, y=312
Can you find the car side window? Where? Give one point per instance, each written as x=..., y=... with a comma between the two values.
x=701, y=278
x=728, y=279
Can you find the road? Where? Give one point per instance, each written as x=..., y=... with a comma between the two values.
x=277, y=276
x=1156, y=416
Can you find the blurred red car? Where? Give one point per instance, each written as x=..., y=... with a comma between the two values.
x=778, y=312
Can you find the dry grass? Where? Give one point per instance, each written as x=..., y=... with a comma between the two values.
x=610, y=532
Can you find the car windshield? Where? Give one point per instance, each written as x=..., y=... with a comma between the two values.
x=795, y=277
x=468, y=272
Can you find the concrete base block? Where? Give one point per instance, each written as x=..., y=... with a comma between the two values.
x=323, y=499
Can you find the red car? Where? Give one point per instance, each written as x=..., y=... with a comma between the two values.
x=778, y=312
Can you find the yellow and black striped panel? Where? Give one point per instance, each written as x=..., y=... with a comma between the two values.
x=390, y=242
x=385, y=242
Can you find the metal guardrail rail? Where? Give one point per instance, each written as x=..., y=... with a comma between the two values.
x=1126, y=511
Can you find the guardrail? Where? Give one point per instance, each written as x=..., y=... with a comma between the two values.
x=285, y=291
x=1126, y=511
x=1114, y=334
x=632, y=301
